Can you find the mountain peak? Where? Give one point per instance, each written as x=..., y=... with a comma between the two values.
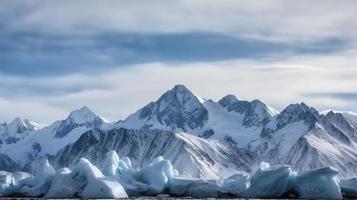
x=255, y=112
x=301, y=107
x=17, y=127
x=297, y=112
x=228, y=100
x=180, y=88
x=82, y=115
x=180, y=94
x=17, y=122
x=177, y=108
x=21, y=125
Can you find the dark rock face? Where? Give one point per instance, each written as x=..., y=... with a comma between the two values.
x=297, y=112
x=178, y=109
x=256, y=113
x=36, y=148
x=65, y=127
x=68, y=125
x=11, y=140
x=208, y=133
x=293, y=113
x=142, y=146
x=7, y=164
x=340, y=122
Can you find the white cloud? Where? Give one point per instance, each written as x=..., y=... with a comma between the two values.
x=277, y=83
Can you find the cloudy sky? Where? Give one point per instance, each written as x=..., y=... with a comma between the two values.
x=116, y=56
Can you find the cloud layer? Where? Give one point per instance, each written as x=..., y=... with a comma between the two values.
x=119, y=92
x=116, y=56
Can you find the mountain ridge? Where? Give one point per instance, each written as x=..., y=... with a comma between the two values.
x=251, y=130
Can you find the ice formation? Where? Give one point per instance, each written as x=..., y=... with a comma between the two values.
x=271, y=181
x=349, y=187
x=119, y=179
x=318, y=184
x=236, y=184
x=158, y=174
x=87, y=181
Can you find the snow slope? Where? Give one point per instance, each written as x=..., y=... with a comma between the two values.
x=49, y=140
x=190, y=155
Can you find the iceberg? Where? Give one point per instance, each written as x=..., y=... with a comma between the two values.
x=118, y=179
x=349, y=187
x=318, y=184
x=38, y=185
x=270, y=181
x=7, y=183
x=123, y=172
x=236, y=184
x=111, y=164
x=85, y=181
x=11, y=182
x=151, y=179
x=157, y=174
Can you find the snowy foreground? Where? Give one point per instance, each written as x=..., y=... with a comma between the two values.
x=118, y=179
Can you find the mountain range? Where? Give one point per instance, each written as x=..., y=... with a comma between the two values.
x=201, y=137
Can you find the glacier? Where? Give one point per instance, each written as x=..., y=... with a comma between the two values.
x=118, y=179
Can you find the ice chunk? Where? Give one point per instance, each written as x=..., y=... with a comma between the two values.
x=38, y=185
x=104, y=188
x=319, y=183
x=42, y=169
x=270, y=182
x=123, y=172
x=7, y=183
x=236, y=184
x=124, y=165
x=64, y=170
x=157, y=174
x=111, y=164
x=349, y=187
x=11, y=183
x=85, y=181
x=21, y=176
x=197, y=188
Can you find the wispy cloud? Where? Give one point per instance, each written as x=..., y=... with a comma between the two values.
x=120, y=91
x=271, y=19
x=345, y=96
x=38, y=54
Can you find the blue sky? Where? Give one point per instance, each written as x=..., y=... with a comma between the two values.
x=115, y=56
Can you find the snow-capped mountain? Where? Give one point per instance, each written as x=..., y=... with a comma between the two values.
x=177, y=109
x=256, y=113
x=180, y=110
x=303, y=138
x=16, y=130
x=331, y=141
x=83, y=117
x=49, y=140
x=201, y=137
x=280, y=138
